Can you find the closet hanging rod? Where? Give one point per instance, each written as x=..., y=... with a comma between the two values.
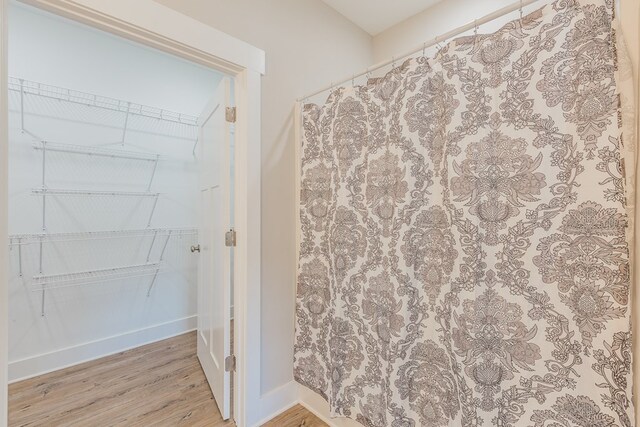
x=95, y=151
x=92, y=100
x=439, y=39
x=67, y=192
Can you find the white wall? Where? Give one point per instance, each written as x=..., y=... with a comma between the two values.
x=88, y=321
x=630, y=20
x=307, y=45
x=64, y=53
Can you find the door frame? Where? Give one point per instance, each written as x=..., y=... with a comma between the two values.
x=157, y=26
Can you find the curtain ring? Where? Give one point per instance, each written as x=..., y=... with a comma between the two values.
x=368, y=75
x=521, y=6
x=353, y=80
x=424, y=48
x=393, y=61
x=475, y=27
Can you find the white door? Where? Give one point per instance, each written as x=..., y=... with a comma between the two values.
x=214, y=267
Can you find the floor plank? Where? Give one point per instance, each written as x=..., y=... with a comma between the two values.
x=160, y=384
x=298, y=416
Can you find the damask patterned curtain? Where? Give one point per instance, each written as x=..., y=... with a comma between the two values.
x=464, y=233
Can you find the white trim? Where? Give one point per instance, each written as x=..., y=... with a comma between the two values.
x=158, y=26
x=291, y=394
x=69, y=356
x=148, y=22
x=278, y=401
x=247, y=261
x=4, y=225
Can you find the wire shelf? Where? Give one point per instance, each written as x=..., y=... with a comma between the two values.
x=70, y=192
x=59, y=257
x=95, y=151
x=36, y=238
x=56, y=281
x=26, y=87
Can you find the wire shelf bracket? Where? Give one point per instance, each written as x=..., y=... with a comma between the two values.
x=153, y=281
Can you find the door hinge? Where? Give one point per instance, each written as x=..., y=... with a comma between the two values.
x=230, y=363
x=230, y=114
x=230, y=238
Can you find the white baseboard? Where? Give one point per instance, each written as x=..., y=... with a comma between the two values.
x=44, y=363
x=277, y=401
x=320, y=408
x=290, y=394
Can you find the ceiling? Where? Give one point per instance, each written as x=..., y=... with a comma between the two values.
x=375, y=16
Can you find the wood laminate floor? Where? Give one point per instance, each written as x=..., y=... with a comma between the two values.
x=160, y=384
x=298, y=416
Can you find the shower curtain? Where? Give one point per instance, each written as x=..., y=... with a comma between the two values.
x=464, y=232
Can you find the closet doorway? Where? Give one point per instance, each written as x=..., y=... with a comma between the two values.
x=121, y=205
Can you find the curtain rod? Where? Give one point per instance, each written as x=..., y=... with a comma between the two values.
x=471, y=25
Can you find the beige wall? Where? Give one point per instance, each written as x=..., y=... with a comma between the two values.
x=307, y=45
x=434, y=21
x=629, y=18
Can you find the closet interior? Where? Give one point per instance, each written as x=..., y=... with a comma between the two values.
x=97, y=200
x=103, y=192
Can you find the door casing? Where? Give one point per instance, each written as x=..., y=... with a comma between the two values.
x=160, y=27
